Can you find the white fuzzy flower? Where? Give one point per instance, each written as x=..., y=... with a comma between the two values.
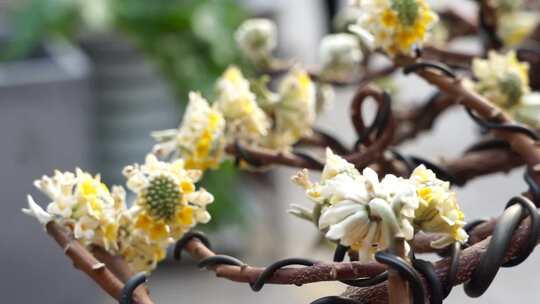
x=256, y=39
x=340, y=56
x=358, y=210
x=199, y=140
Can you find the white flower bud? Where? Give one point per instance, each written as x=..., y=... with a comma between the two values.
x=256, y=39
x=340, y=55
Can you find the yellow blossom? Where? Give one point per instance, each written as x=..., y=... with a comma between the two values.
x=199, y=139
x=438, y=211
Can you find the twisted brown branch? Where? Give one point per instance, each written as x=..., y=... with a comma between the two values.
x=468, y=261
x=84, y=261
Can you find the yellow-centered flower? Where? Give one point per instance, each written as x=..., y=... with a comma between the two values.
x=397, y=25
x=438, y=211
x=199, y=140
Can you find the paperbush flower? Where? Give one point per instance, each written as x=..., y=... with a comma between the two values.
x=514, y=27
x=501, y=78
x=256, y=39
x=199, y=140
x=438, y=211
x=294, y=112
x=167, y=205
x=397, y=25
x=357, y=209
x=81, y=203
x=246, y=121
x=340, y=56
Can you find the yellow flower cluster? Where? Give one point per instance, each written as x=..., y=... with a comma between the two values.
x=84, y=205
x=501, y=78
x=397, y=25
x=243, y=112
x=167, y=205
x=294, y=112
x=199, y=139
x=246, y=121
x=438, y=210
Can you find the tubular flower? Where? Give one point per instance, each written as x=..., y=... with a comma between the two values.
x=357, y=209
x=167, y=205
x=397, y=25
x=256, y=39
x=438, y=211
x=340, y=56
x=82, y=204
x=501, y=78
x=199, y=140
x=246, y=121
x=295, y=112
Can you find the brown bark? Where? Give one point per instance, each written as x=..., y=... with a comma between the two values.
x=84, y=261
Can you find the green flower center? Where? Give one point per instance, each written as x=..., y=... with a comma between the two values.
x=162, y=197
x=407, y=11
x=510, y=85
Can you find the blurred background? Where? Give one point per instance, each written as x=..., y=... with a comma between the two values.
x=84, y=82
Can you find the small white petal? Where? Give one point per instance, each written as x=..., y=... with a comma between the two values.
x=36, y=211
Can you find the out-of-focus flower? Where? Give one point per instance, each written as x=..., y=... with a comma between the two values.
x=167, y=205
x=345, y=18
x=501, y=78
x=397, y=25
x=97, y=14
x=528, y=110
x=256, y=39
x=199, y=140
x=246, y=121
x=325, y=96
x=506, y=6
x=514, y=27
x=340, y=56
x=82, y=204
x=295, y=112
x=358, y=210
x=438, y=211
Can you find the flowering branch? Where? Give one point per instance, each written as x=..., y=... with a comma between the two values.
x=522, y=144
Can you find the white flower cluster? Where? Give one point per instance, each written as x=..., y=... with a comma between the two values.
x=514, y=24
x=366, y=214
x=243, y=112
x=82, y=203
x=340, y=56
x=167, y=205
